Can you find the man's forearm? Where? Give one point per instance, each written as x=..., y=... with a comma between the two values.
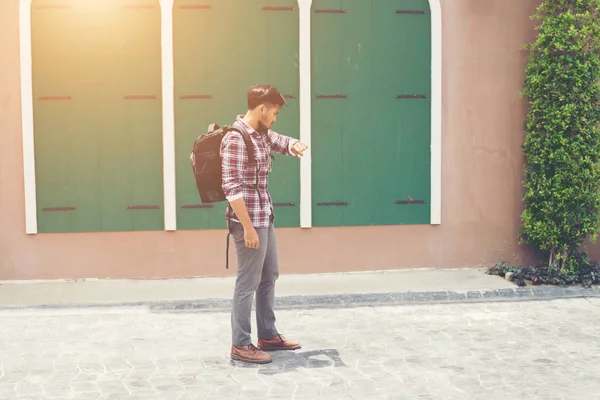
x=240, y=210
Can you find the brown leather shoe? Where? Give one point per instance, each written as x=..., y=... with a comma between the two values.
x=250, y=354
x=278, y=342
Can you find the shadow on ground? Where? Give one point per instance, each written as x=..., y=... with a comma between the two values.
x=287, y=361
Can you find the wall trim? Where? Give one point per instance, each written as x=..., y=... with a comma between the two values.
x=305, y=48
x=27, y=135
x=436, y=112
x=27, y=121
x=168, y=117
x=305, y=71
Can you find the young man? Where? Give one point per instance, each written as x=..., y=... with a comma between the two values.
x=250, y=217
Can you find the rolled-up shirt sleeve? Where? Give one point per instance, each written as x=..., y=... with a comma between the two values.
x=233, y=154
x=281, y=144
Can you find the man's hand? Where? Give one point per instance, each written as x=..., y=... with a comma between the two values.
x=251, y=238
x=250, y=235
x=298, y=148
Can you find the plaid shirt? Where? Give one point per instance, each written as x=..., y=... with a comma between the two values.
x=240, y=178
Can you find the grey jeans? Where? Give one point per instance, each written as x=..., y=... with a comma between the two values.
x=257, y=271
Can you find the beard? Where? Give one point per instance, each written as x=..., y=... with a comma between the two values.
x=262, y=127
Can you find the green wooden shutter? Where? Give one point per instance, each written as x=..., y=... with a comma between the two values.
x=221, y=48
x=97, y=115
x=371, y=112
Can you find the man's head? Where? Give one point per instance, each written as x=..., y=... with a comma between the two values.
x=264, y=102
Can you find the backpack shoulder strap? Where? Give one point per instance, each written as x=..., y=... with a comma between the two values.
x=250, y=151
x=247, y=142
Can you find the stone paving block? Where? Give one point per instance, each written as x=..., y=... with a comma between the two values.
x=117, y=376
x=87, y=396
x=113, y=396
x=219, y=396
x=456, y=296
x=307, y=391
x=191, y=378
x=282, y=391
x=363, y=389
x=93, y=367
x=10, y=378
x=226, y=388
x=8, y=390
x=491, y=294
x=351, y=375
x=524, y=292
x=14, y=366
x=594, y=300
x=137, y=384
x=251, y=394
x=84, y=387
x=57, y=389
x=542, y=291
x=116, y=364
x=26, y=388
x=112, y=388
x=85, y=377
x=476, y=295
x=339, y=392
x=515, y=350
x=166, y=384
x=193, y=395
x=505, y=293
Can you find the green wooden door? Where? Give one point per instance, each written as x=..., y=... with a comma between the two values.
x=221, y=47
x=97, y=115
x=371, y=88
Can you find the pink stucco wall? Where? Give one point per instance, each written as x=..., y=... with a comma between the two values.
x=483, y=69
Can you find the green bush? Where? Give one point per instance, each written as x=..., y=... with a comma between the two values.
x=562, y=137
x=587, y=273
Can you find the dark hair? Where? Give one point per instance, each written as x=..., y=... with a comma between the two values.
x=264, y=94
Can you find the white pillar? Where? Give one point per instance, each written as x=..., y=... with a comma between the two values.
x=305, y=112
x=436, y=112
x=168, y=115
x=27, y=117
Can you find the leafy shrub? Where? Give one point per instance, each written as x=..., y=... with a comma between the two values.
x=587, y=273
x=562, y=138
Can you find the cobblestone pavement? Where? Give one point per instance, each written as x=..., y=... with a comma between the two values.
x=520, y=350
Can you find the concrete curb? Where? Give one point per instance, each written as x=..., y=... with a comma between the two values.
x=346, y=300
x=402, y=298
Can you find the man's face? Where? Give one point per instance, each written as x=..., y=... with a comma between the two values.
x=268, y=115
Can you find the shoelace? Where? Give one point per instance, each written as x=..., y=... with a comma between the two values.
x=252, y=348
x=282, y=338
